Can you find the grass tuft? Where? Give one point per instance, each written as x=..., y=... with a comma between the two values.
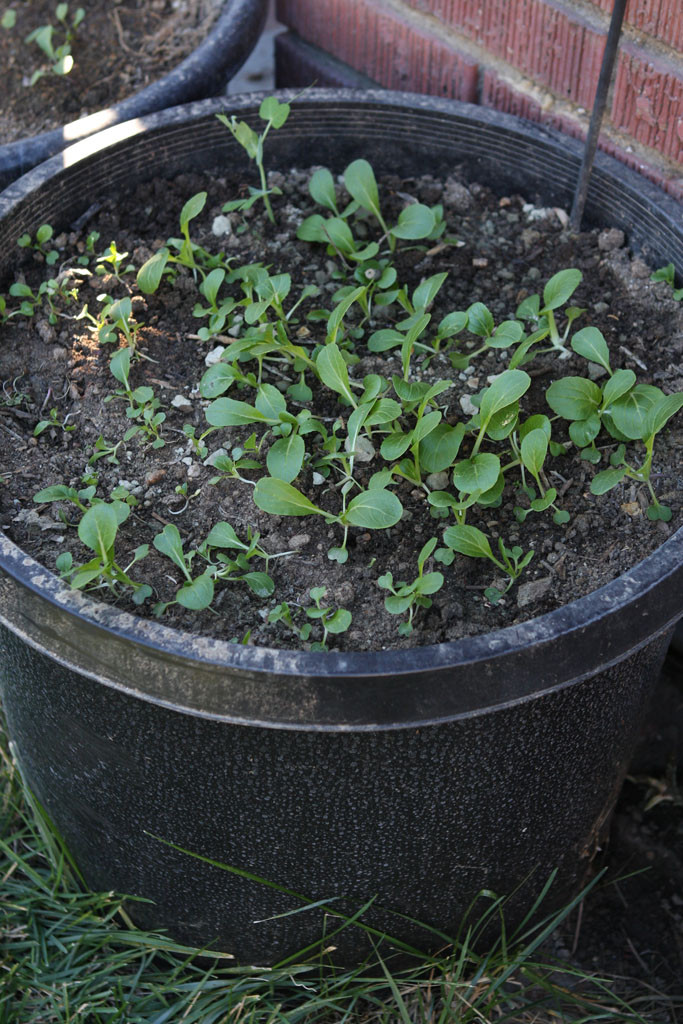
x=70, y=956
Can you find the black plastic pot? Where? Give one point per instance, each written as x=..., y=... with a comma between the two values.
x=205, y=72
x=417, y=777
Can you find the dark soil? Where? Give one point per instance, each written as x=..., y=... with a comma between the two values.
x=508, y=250
x=119, y=49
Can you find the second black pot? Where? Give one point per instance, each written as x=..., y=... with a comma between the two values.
x=205, y=72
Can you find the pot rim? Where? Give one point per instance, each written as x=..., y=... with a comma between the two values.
x=363, y=689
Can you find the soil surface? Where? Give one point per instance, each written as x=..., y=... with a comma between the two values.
x=498, y=250
x=118, y=49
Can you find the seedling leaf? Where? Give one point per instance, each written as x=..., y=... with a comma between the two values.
x=229, y=412
x=97, y=529
x=332, y=371
x=321, y=187
x=361, y=185
x=506, y=389
x=198, y=594
x=468, y=540
x=376, y=509
x=606, y=480
x=192, y=208
x=478, y=473
x=414, y=221
x=169, y=543
x=285, y=457
x=590, y=343
x=272, y=110
x=534, y=449
x=560, y=288
x=281, y=499
x=150, y=273
x=573, y=398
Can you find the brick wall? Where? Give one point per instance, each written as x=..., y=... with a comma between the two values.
x=538, y=59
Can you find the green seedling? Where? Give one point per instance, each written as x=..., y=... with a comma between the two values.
x=283, y=613
x=117, y=315
x=105, y=450
x=332, y=620
x=217, y=309
x=179, y=252
x=87, y=249
x=274, y=114
x=478, y=320
x=39, y=243
x=415, y=399
x=30, y=300
x=9, y=19
x=336, y=234
x=12, y=395
x=183, y=490
x=668, y=274
x=58, y=54
x=187, y=250
x=143, y=406
x=265, y=295
x=48, y=291
x=408, y=597
x=236, y=567
x=469, y=541
x=627, y=410
x=286, y=455
x=60, y=492
x=407, y=339
x=479, y=477
x=97, y=530
x=196, y=592
x=638, y=416
x=85, y=498
x=375, y=509
x=54, y=420
x=198, y=445
x=416, y=221
x=556, y=293
x=113, y=262
x=534, y=442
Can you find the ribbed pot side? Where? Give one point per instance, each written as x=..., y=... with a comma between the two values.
x=417, y=778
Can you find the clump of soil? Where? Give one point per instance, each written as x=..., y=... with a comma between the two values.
x=508, y=249
x=118, y=49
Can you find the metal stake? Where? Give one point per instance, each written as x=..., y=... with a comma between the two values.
x=606, y=69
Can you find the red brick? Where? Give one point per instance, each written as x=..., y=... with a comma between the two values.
x=397, y=43
x=546, y=39
x=661, y=19
x=376, y=41
x=502, y=95
x=648, y=101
